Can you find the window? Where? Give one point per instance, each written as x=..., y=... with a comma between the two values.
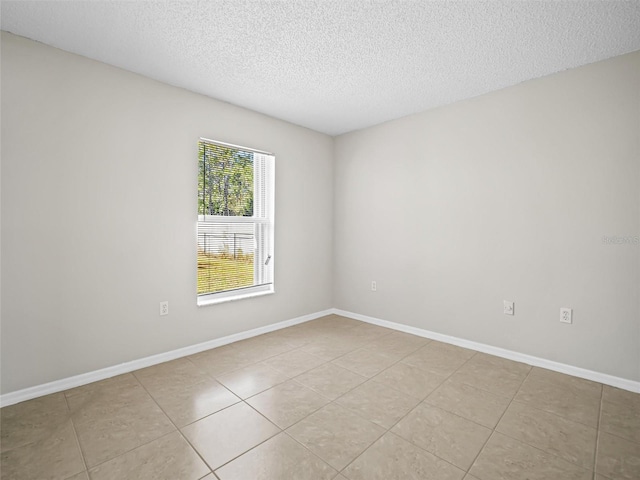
x=235, y=222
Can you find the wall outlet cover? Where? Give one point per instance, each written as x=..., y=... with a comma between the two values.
x=566, y=315
x=509, y=308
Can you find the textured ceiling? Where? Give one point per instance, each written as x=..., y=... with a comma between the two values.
x=334, y=66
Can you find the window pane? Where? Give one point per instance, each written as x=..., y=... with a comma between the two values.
x=225, y=181
x=226, y=254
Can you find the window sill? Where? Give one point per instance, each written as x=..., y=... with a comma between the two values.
x=212, y=300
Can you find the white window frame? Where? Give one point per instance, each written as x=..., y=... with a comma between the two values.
x=264, y=229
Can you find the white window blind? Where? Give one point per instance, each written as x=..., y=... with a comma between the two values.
x=235, y=222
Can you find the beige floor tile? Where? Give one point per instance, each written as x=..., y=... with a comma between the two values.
x=252, y=379
x=33, y=420
x=504, y=458
x=192, y=402
x=114, y=416
x=287, y=403
x=80, y=476
x=564, y=438
x=471, y=477
x=329, y=349
x=336, y=434
x=570, y=397
x=284, y=336
x=185, y=393
x=378, y=403
x=469, y=402
x=301, y=333
x=501, y=363
x=180, y=369
x=293, y=336
x=221, y=360
x=337, y=331
x=621, y=419
x=438, y=357
x=54, y=456
x=618, y=458
x=167, y=458
x=621, y=397
x=413, y=381
x=366, y=332
x=223, y=436
x=113, y=387
x=262, y=347
x=392, y=458
x=397, y=343
x=314, y=333
x=444, y=434
x=294, y=363
x=366, y=362
x=278, y=458
x=333, y=322
x=330, y=380
x=493, y=374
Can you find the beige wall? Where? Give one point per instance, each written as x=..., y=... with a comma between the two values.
x=503, y=197
x=99, y=171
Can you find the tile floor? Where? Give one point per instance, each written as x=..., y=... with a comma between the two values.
x=329, y=399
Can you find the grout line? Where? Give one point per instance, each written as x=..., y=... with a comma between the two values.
x=494, y=393
x=195, y=450
x=553, y=414
x=334, y=401
x=249, y=449
x=475, y=459
x=388, y=430
x=210, y=414
x=534, y=446
x=129, y=451
x=75, y=433
x=172, y=422
x=244, y=400
x=310, y=451
x=585, y=469
x=494, y=429
x=597, y=445
x=626, y=439
x=277, y=426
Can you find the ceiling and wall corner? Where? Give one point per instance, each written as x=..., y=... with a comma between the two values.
x=334, y=66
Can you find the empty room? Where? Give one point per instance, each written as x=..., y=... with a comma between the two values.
x=320, y=240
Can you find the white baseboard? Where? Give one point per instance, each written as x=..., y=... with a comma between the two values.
x=631, y=385
x=89, y=377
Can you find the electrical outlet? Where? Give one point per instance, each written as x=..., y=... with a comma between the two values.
x=508, y=308
x=566, y=315
x=374, y=286
x=164, y=308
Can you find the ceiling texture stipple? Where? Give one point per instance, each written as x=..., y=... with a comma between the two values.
x=334, y=66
